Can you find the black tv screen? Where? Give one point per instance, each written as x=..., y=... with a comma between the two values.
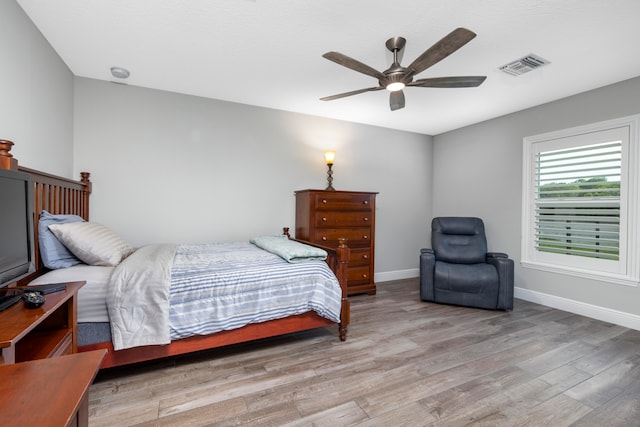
x=16, y=226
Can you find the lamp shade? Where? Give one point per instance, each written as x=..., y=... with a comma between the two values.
x=329, y=157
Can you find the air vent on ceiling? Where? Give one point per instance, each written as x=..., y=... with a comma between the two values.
x=524, y=65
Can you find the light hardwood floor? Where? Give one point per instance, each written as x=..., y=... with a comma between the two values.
x=405, y=363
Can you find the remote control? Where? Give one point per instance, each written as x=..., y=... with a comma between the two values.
x=33, y=299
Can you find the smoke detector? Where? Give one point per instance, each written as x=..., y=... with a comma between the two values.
x=524, y=65
x=119, y=72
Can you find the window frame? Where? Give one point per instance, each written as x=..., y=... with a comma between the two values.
x=626, y=270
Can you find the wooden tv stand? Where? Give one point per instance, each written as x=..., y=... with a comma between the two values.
x=47, y=331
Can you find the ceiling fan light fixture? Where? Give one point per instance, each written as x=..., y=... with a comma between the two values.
x=395, y=86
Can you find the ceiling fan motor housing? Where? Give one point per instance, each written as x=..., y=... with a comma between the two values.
x=395, y=76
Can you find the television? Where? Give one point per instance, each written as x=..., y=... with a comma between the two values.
x=16, y=226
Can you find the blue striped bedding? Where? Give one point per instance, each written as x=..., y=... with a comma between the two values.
x=225, y=286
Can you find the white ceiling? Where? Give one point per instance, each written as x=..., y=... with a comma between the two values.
x=268, y=53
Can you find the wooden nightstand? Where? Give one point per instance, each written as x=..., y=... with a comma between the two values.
x=49, y=392
x=47, y=331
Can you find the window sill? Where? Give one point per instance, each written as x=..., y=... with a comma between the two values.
x=617, y=279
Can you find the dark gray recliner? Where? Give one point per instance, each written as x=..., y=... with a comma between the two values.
x=458, y=269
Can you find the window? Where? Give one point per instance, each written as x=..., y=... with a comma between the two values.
x=579, y=201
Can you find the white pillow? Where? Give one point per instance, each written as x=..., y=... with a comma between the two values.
x=92, y=243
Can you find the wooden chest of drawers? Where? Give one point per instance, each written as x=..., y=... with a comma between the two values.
x=324, y=216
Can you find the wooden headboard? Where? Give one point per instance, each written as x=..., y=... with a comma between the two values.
x=51, y=193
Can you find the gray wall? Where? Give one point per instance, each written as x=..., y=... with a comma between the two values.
x=170, y=167
x=36, y=108
x=478, y=171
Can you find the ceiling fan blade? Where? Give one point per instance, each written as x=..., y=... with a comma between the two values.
x=354, y=64
x=443, y=48
x=396, y=100
x=445, y=82
x=354, y=92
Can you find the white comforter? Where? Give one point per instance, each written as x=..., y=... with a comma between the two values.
x=138, y=297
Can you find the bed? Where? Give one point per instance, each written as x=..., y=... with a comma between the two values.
x=60, y=196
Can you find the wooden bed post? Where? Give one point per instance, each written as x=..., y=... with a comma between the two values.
x=344, y=254
x=86, y=192
x=6, y=158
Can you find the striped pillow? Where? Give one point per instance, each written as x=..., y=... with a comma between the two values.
x=92, y=243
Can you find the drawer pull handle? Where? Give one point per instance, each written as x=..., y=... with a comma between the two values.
x=366, y=202
x=365, y=237
x=324, y=219
x=364, y=276
x=324, y=238
x=324, y=201
x=365, y=256
x=366, y=219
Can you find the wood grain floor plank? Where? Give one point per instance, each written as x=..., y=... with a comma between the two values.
x=557, y=357
x=607, y=384
x=411, y=414
x=622, y=411
x=456, y=401
x=206, y=394
x=606, y=355
x=559, y=410
x=396, y=391
x=348, y=413
x=123, y=413
x=202, y=415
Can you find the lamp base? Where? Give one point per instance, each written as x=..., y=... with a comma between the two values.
x=330, y=179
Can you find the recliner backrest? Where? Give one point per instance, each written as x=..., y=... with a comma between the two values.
x=459, y=240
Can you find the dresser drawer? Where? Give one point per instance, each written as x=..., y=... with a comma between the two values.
x=344, y=201
x=360, y=257
x=358, y=275
x=356, y=236
x=342, y=219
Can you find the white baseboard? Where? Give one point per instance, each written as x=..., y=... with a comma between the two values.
x=387, y=276
x=601, y=313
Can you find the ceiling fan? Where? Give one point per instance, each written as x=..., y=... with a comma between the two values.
x=397, y=77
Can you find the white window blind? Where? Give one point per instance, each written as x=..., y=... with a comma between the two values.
x=578, y=200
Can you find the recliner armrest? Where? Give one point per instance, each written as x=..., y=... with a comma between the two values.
x=505, y=267
x=497, y=255
x=427, y=265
